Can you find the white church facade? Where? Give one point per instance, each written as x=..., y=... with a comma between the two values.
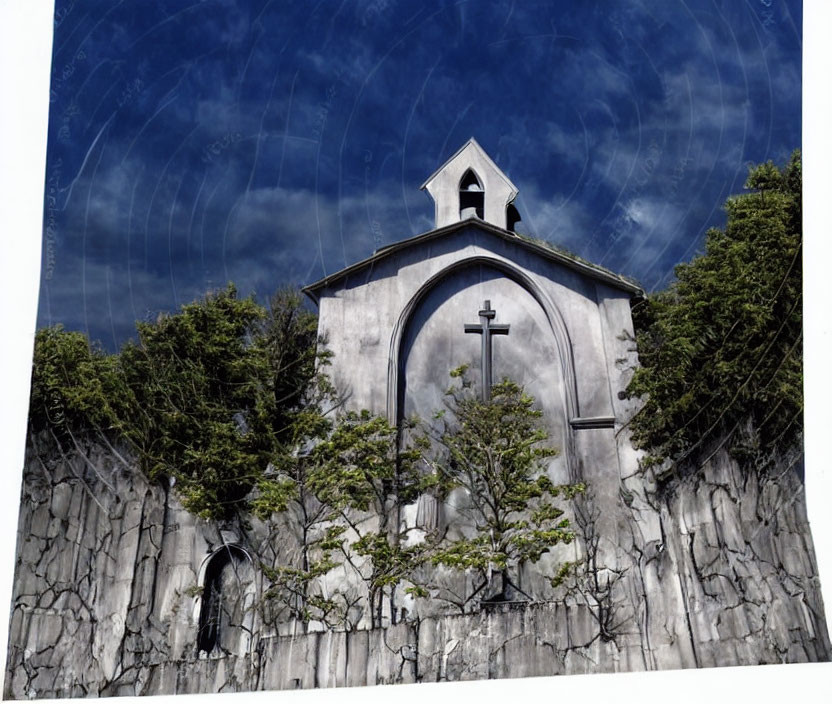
x=398, y=322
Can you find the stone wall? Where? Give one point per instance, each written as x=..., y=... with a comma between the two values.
x=741, y=552
x=714, y=567
x=105, y=560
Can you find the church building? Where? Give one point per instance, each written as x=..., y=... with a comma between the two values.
x=474, y=291
x=707, y=565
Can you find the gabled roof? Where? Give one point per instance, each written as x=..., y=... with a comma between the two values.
x=569, y=261
x=484, y=155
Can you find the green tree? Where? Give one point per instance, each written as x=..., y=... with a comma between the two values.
x=74, y=384
x=722, y=345
x=226, y=397
x=496, y=451
x=367, y=478
x=198, y=411
x=288, y=336
x=202, y=397
x=294, y=485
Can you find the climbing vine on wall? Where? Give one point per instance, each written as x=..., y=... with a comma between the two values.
x=723, y=344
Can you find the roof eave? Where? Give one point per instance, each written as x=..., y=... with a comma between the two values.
x=608, y=277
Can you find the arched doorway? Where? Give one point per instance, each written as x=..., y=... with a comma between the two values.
x=228, y=591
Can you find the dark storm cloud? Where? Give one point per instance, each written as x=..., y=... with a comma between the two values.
x=265, y=142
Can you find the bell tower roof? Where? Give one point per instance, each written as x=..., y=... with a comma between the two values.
x=470, y=184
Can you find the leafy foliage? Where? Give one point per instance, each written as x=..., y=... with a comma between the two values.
x=290, y=487
x=230, y=401
x=288, y=336
x=722, y=344
x=368, y=479
x=72, y=385
x=195, y=385
x=363, y=466
x=296, y=587
x=203, y=397
x=342, y=475
x=496, y=452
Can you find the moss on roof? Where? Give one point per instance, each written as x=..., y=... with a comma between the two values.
x=558, y=249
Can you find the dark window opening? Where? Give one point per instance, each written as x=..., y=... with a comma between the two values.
x=512, y=218
x=223, y=589
x=471, y=196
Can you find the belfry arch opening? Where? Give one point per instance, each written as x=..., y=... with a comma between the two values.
x=471, y=196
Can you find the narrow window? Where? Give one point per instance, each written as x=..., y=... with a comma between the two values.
x=471, y=197
x=512, y=218
x=227, y=582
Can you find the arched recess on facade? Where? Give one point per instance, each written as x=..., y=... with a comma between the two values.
x=225, y=606
x=553, y=316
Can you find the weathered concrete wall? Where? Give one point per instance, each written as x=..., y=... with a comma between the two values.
x=741, y=552
x=396, y=329
x=106, y=567
x=715, y=567
x=363, y=316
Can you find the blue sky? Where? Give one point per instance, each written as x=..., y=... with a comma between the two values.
x=263, y=142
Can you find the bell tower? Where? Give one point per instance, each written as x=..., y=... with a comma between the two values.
x=471, y=185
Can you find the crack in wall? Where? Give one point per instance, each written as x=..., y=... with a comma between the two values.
x=711, y=568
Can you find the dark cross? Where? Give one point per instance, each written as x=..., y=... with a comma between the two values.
x=486, y=329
